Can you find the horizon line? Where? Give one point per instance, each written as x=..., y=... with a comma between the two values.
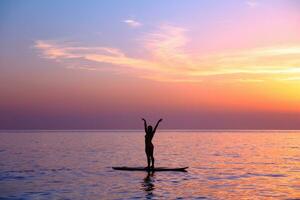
x=138, y=130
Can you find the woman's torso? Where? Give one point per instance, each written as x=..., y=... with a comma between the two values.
x=148, y=139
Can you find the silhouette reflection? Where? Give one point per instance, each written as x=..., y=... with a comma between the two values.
x=148, y=185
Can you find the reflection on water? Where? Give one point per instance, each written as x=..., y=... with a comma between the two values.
x=222, y=165
x=148, y=185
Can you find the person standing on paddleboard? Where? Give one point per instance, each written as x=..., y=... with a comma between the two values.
x=149, y=148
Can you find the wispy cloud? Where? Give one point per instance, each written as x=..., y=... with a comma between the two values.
x=132, y=23
x=290, y=79
x=167, y=44
x=252, y=3
x=169, y=60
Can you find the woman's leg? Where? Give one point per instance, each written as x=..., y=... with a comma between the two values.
x=151, y=156
x=148, y=157
x=148, y=161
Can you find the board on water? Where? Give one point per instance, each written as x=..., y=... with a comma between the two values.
x=179, y=169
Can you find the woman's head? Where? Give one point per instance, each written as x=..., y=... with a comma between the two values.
x=149, y=129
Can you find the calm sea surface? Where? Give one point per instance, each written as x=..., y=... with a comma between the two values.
x=222, y=165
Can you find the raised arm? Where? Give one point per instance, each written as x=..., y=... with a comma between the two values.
x=145, y=124
x=156, y=125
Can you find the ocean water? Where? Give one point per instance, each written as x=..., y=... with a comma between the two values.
x=222, y=165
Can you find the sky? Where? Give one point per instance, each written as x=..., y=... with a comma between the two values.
x=205, y=64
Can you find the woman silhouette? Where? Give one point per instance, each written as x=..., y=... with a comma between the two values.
x=148, y=142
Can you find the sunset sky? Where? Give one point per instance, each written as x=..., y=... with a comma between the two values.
x=205, y=64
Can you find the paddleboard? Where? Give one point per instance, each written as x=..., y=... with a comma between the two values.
x=181, y=169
